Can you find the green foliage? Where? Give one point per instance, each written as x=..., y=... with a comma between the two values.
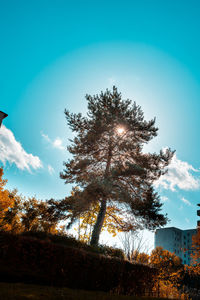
x=109, y=165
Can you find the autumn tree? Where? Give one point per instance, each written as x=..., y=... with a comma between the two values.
x=113, y=221
x=169, y=265
x=109, y=164
x=192, y=272
x=10, y=206
x=18, y=214
x=140, y=257
x=6, y=201
x=195, y=254
x=37, y=215
x=170, y=273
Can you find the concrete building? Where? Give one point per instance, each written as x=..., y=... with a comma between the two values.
x=177, y=241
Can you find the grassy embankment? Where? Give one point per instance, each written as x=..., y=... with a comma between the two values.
x=19, y=291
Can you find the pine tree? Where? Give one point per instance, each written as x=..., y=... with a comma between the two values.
x=109, y=165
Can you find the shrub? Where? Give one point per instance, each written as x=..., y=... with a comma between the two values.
x=70, y=241
x=31, y=260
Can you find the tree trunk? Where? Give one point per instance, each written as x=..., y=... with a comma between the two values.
x=101, y=215
x=98, y=225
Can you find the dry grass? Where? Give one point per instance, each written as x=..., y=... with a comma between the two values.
x=19, y=291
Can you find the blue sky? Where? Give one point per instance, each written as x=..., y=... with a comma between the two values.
x=54, y=52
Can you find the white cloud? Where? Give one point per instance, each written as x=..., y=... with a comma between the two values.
x=187, y=202
x=57, y=143
x=12, y=151
x=187, y=220
x=164, y=198
x=51, y=170
x=45, y=136
x=180, y=174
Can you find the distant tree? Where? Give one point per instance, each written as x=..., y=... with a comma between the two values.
x=140, y=257
x=169, y=280
x=133, y=244
x=12, y=216
x=168, y=264
x=5, y=200
x=192, y=272
x=18, y=214
x=38, y=215
x=9, y=208
x=195, y=254
x=109, y=165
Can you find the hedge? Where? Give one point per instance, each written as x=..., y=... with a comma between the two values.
x=70, y=241
x=30, y=260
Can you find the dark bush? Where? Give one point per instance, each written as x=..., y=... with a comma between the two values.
x=70, y=241
x=30, y=260
x=108, y=251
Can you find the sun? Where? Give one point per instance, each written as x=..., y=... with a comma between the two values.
x=120, y=130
